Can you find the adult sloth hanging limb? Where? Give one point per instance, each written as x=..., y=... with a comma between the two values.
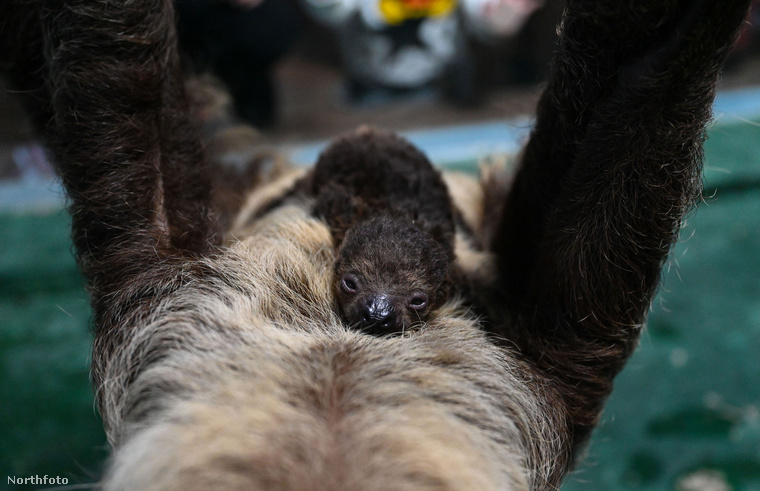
x=219, y=361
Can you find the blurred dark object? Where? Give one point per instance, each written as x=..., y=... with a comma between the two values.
x=240, y=43
x=748, y=44
x=456, y=49
x=405, y=58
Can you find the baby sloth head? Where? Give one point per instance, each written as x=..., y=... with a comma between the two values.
x=390, y=275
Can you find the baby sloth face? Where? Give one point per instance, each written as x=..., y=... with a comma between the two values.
x=390, y=275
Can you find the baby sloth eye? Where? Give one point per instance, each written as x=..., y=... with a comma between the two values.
x=349, y=284
x=417, y=301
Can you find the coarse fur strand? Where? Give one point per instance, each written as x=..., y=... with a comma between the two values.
x=219, y=360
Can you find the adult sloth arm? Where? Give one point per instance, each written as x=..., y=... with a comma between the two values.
x=112, y=106
x=610, y=170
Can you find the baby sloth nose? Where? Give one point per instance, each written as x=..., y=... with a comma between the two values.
x=378, y=315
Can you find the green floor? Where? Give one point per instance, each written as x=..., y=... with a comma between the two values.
x=49, y=424
x=688, y=403
x=686, y=408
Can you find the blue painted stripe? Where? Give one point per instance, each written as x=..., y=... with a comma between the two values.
x=36, y=195
x=449, y=145
x=444, y=146
x=741, y=104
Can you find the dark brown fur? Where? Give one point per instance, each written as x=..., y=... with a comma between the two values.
x=392, y=220
x=223, y=365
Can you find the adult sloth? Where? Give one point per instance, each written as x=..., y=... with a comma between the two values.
x=219, y=361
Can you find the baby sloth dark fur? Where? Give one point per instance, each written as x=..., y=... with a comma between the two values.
x=392, y=220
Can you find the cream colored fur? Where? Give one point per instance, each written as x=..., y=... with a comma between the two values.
x=250, y=381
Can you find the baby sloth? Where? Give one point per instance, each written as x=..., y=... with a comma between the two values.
x=392, y=220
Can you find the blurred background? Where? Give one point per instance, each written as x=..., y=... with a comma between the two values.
x=460, y=79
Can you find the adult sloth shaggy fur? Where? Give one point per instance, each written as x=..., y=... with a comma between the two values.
x=219, y=361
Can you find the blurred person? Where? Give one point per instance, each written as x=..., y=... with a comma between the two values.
x=240, y=41
x=407, y=45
